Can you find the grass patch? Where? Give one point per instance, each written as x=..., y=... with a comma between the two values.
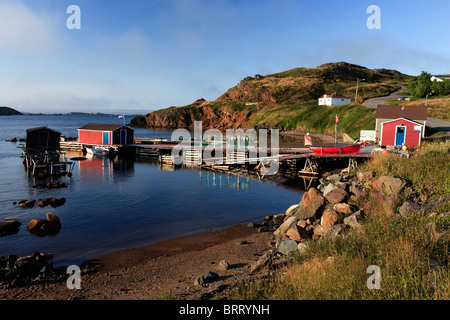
x=428, y=169
x=312, y=117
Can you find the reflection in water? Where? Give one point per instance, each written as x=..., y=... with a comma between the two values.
x=221, y=180
x=100, y=170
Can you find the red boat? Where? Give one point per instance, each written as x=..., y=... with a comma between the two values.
x=353, y=149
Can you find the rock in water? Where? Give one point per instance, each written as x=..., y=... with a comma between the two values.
x=9, y=227
x=41, y=227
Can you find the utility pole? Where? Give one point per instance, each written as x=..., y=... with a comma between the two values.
x=357, y=81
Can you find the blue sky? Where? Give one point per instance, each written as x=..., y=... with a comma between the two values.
x=141, y=55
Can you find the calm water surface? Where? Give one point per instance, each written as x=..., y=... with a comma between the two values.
x=114, y=204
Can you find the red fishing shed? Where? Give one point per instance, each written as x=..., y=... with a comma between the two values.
x=105, y=134
x=400, y=132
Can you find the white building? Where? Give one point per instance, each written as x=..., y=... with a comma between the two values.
x=440, y=78
x=333, y=100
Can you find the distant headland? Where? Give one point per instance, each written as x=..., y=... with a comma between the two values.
x=6, y=111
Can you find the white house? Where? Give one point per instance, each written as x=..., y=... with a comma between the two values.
x=333, y=99
x=440, y=78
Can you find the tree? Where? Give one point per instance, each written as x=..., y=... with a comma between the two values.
x=421, y=86
x=441, y=88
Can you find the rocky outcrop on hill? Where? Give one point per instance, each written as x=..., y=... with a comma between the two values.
x=211, y=116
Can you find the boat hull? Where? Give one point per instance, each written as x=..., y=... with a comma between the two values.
x=354, y=149
x=99, y=151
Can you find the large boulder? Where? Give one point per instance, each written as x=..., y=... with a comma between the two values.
x=333, y=232
x=262, y=262
x=287, y=246
x=334, y=178
x=364, y=176
x=330, y=187
x=291, y=210
x=355, y=219
x=329, y=218
x=297, y=233
x=41, y=227
x=336, y=196
x=392, y=185
x=342, y=208
x=286, y=225
x=389, y=185
x=312, y=202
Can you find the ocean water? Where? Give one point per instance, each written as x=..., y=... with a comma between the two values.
x=114, y=204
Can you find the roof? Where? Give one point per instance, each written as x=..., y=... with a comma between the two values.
x=441, y=76
x=409, y=120
x=100, y=127
x=386, y=111
x=42, y=128
x=334, y=95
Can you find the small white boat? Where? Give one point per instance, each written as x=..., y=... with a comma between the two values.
x=100, y=150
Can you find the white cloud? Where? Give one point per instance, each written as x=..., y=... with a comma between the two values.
x=23, y=31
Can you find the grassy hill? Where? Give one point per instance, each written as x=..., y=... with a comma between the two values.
x=287, y=100
x=306, y=84
x=314, y=118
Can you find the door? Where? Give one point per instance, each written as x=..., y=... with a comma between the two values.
x=123, y=136
x=400, y=135
x=105, y=137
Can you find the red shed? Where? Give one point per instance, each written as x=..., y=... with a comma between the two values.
x=401, y=131
x=105, y=134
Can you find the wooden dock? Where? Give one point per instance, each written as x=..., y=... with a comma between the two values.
x=299, y=161
x=46, y=164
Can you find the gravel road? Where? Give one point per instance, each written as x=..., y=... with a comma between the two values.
x=436, y=123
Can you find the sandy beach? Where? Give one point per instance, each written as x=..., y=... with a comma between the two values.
x=164, y=269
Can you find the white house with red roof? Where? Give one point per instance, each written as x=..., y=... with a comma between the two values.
x=333, y=99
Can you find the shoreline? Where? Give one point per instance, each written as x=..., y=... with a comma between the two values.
x=163, y=269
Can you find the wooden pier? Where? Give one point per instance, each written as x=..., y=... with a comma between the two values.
x=298, y=161
x=47, y=164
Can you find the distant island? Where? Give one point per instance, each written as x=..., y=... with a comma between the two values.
x=6, y=111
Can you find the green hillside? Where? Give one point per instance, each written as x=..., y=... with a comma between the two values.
x=288, y=100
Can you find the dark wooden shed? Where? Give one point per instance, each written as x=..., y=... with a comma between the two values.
x=42, y=139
